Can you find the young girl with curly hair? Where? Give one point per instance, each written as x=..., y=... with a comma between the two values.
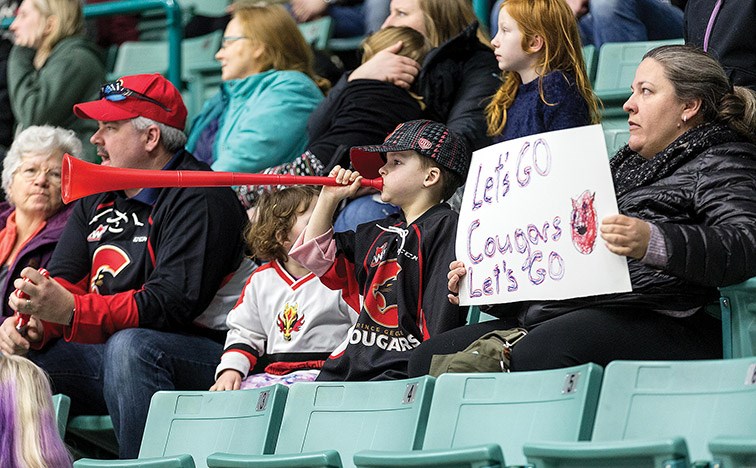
x=284, y=310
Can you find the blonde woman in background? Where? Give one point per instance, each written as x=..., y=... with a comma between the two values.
x=29, y=435
x=52, y=67
x=259, y=116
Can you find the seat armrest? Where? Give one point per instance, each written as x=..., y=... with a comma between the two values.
x=324, y=459
x=175, y=461
x=489, y=455
x=672, y=452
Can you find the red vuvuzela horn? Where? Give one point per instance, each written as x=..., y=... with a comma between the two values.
x=80, y=178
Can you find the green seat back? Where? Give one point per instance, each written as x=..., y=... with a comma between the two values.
x=317, y=32
x=152, y=56
x=734, y=452
x=590, y=57
x=92, y=436
x=615, y=71
x=198, y=423
x=615, y=139
x=352, y=416
x=61, y=406
x=697, y=400
x=738, y=304
x=510, y=409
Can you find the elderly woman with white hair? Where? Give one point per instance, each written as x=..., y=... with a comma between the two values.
x=33, y=217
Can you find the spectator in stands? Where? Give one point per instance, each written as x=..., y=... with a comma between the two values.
x=397, y=265
x=545, y=86
x=258, y=118
x=7, y=123
x=52, y=67
x=686, y=192
x=350, y=17
x=362, y=112
x=284, y=311
x=113, y=30
x=30, y=436
x=32, y=219
x=722, y=29
x=130, y=306
x=456, y=78
x=604, y=21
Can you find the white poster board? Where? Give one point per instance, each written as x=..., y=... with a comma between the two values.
x=530, y=216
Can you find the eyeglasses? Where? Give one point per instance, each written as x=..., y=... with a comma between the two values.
x=30, y=173
x=115, y=92
x=227, y=40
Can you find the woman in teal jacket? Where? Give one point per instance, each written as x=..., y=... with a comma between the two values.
x=259, y=117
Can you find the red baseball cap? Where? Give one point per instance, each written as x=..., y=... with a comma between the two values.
x=151, y=96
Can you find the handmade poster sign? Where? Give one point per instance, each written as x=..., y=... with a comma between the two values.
x=530, y=216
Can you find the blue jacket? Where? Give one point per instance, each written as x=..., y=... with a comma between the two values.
x=258, y=121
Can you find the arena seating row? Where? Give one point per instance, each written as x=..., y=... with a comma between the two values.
x=632, y=414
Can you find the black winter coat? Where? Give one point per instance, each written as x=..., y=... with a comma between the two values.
x=706, y=211
x=731, y=40
x=457, y=80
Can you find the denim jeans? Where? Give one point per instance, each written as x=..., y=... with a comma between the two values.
x=631, y=20
x=623, y=21
x=120, y=376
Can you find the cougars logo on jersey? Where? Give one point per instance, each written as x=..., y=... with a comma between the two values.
x=380, y=302
x=106, y=259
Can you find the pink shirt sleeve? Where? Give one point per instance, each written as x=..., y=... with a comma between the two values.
x=317, y=255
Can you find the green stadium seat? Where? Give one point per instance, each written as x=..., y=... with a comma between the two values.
x=590, y=57
x=92, y=436
x=342, y=44
x=615, y=139
x=738, y=304
x=615, y=71
x=475, y=417
x=656, y=413
x=317, y=32
x=61, y=406
x=183, y=428
x=205, y=7
x=152, y=56
x=326, y=423
x=733, y=452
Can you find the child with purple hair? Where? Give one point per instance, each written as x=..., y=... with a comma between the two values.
x=28, y=431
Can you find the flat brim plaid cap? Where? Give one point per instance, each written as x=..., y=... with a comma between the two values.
x=430, y=139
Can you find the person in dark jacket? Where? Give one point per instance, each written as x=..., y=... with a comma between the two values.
x=686, y=192
x=32, y=220
x=459, y=75
x=723, y=28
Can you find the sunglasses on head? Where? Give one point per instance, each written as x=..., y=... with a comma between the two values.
x=115, y=92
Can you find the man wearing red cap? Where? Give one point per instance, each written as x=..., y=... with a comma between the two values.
x=131, y=305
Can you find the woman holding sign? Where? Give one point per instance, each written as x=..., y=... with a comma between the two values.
x=686, y=192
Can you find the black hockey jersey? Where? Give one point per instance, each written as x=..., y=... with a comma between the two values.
x=400, y=271
x=154, y=260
